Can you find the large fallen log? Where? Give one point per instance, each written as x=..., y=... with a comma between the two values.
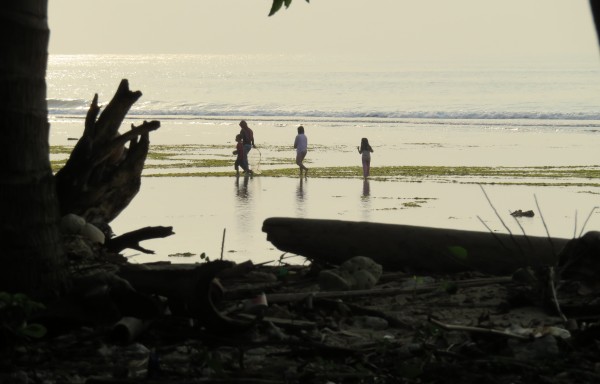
x=411, y=248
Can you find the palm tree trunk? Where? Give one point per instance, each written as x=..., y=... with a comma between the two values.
x=31, y=255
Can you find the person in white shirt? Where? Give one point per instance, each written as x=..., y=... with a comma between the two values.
x=301, y=145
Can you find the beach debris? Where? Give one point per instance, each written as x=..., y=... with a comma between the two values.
x=389, y=333
x=133, y=238
x=72, y=224
x=516, y=332
x=578, y=270
x=358, y=272
x=579, y=261
x=92, y=232
x=192, y=290
x=80, y=239
x=182, y=254
x=520, y=213
x=128, y=329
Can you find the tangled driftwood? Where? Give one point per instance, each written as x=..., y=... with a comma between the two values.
x=103, y=173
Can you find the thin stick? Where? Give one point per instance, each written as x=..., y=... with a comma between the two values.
x=502, y=221
x=545, y=226
x=495, y=211
x=524, y=235
x=451, y=327
x=493, y=234
x=223, y=243
x=586, y=220
x=298, y=296
x=555, y=296
x=522, y=230
x=575, y=229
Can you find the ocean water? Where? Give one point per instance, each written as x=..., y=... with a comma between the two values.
x=488, y=113
x=299, y=87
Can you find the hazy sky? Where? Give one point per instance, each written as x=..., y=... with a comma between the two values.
x=366, y=27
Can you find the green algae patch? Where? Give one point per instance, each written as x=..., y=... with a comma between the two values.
x=57, y=164
x=547, y=176
x=199, y=163
x=195, y=160
x=61, y=150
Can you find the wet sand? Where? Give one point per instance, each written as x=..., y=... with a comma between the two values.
x=200, y=209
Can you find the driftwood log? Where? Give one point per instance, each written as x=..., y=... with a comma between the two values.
x=103, y=173
x=411, y=248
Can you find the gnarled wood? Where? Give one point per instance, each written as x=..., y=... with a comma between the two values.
x=133, y=238
x=103, y=173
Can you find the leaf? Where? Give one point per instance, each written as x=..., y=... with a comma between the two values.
x=36, y=331
x=287, y=3
x=20, y=298
x=4, y=298
x=459, y=252
x=450, y=287
x=275, y=7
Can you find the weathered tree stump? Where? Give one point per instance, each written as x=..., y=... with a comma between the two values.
x=103, y=174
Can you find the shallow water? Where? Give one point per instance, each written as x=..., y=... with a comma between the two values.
x=201, y=209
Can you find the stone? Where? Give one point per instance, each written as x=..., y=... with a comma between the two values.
x=71, y=224
x=358, y=272
x=91, y=232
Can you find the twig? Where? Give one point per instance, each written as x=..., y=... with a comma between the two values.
x=223, y=243
x=545, y=226
x=282, y=257
x=495, y=211
x=523, y=230
x=450, y=327
x=555, y=296
x=586, y=220
x=502, y=221
x=575, y=229
x=525, y=235
x=298, y=296
x=493, y=234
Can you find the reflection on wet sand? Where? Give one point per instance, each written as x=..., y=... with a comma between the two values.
x=366, y=189
x=244, y=205
x=199, y=210
x=242, y=192
x=366, y=201
x=300, y=198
